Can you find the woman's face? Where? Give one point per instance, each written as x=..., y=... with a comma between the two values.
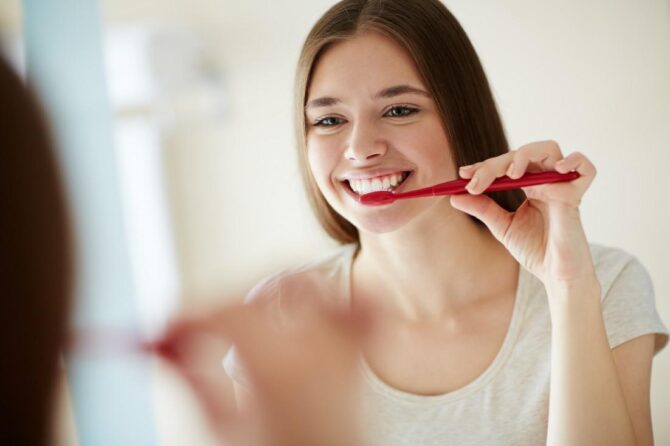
x=372, y=125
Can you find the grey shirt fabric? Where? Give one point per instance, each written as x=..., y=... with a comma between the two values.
x=508, y=403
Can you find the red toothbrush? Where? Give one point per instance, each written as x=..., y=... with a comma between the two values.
x=456, y=187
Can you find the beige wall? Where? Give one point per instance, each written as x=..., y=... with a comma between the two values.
x=591, y=75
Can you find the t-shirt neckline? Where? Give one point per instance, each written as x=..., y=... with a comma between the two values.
x=501, y=357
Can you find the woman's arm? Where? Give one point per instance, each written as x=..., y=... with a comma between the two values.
x=633, y=361
x=594, y=399
x=598, y=396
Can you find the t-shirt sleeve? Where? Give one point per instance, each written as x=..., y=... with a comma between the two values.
x=629, y=308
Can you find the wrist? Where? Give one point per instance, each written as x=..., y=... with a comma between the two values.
x=586, y=282
x=573, y=293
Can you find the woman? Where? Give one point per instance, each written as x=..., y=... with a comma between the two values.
x=495, y=320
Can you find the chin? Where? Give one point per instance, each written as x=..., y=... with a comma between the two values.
x=378, y=226
x=384, y=219
x=400, y=215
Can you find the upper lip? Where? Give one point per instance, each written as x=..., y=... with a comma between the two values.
x=370, y=173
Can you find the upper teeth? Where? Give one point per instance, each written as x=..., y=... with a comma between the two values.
x=386, y=182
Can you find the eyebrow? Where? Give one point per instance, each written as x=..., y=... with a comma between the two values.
x=386, y=93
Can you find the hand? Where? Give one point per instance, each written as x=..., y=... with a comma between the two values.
x=545, y=234
x=303, y=374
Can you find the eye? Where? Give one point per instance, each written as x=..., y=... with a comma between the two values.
x=400, y=111
x=328, y=121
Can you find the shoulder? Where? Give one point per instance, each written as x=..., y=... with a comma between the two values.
x=628, y=301
x=603, y=254
x=614, y=266
x=326, y=277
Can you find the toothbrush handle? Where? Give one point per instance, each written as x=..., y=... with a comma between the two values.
x=507, y=183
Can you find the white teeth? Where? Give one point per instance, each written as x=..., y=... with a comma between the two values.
x=387, y=183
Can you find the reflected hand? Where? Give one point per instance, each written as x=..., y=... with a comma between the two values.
x=302, y=373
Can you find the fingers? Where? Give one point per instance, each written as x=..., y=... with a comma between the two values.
x=537, y=156
x=578, y=162
x=314, y=351
x=570, y=193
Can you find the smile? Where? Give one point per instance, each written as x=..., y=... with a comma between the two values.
x=381, y=183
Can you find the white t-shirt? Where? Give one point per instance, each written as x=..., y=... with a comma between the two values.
x=508, y=403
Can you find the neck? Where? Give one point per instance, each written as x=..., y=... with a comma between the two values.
x=432, y=267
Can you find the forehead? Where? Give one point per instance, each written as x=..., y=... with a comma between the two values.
x=363, y=64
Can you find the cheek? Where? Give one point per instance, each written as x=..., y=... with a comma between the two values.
x=429, y=147
x=322, y=161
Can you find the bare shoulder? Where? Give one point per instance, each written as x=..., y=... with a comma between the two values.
x=325, y=278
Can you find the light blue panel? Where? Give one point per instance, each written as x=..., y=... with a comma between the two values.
x=111, y=394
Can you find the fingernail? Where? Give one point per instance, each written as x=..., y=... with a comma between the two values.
x=510, y=170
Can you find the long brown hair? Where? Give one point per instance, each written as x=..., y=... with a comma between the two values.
x=35, y=267
x=449, y=67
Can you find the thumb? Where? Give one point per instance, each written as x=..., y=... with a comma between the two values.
x=485, y=209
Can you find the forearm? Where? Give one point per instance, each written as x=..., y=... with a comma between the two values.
x=586, y=405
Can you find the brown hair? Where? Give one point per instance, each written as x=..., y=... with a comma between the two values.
x=449, y=67
x=35, y=268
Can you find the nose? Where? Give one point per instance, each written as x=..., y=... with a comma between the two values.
x=365, y=143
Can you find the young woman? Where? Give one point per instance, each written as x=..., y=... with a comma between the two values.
x=496, y=322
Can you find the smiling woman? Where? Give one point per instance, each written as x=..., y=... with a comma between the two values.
x=495, y=320
x=446, y=71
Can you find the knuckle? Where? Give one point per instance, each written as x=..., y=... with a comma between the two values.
x=479, y=173
x=554, y=148
x=552, y=144
x=525, y=149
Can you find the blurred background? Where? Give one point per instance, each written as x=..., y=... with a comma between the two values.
x=204, y=159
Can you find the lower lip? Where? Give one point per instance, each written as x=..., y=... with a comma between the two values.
x=355, y=196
